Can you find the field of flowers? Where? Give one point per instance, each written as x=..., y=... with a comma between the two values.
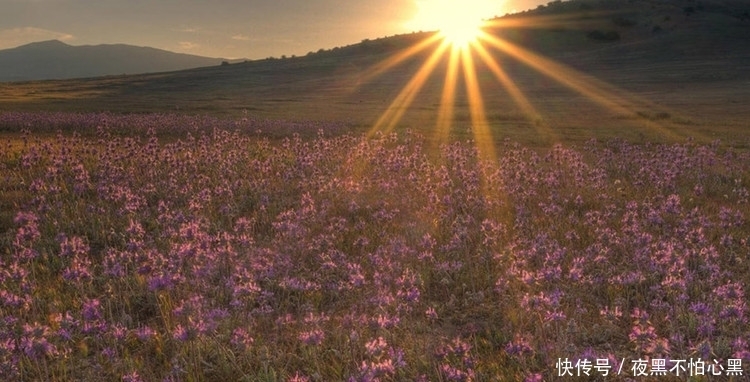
x=217, y=254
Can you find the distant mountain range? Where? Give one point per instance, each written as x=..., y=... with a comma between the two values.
x=56, y=60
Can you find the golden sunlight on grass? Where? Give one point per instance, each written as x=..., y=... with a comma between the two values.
x=466, y=51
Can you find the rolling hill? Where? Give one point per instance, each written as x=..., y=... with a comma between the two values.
x=56, y=60
x=582, y=64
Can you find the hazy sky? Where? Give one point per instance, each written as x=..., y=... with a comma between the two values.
x=221, y=28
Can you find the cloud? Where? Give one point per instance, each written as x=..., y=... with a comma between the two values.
x=240, y=37
x=11, y=38
x=187, y=45
x=186, y=30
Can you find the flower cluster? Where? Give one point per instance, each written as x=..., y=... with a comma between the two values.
x=161, y=247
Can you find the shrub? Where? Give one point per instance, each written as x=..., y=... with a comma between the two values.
x=607, y=36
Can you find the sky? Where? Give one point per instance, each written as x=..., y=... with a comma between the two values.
x=251, y=29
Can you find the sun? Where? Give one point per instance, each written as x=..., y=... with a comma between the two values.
x=458, y=21
x=461, y=32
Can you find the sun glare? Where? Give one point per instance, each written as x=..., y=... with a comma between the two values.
x=467, y=42
x=461, y=33
x=459, y=22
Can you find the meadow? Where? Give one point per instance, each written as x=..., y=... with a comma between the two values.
x=162, y=247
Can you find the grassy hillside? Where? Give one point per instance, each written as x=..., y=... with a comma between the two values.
x=614, y=68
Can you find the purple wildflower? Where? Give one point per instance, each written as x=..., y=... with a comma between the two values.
x=312, y=337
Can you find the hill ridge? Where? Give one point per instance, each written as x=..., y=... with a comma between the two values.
x=54, y=59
